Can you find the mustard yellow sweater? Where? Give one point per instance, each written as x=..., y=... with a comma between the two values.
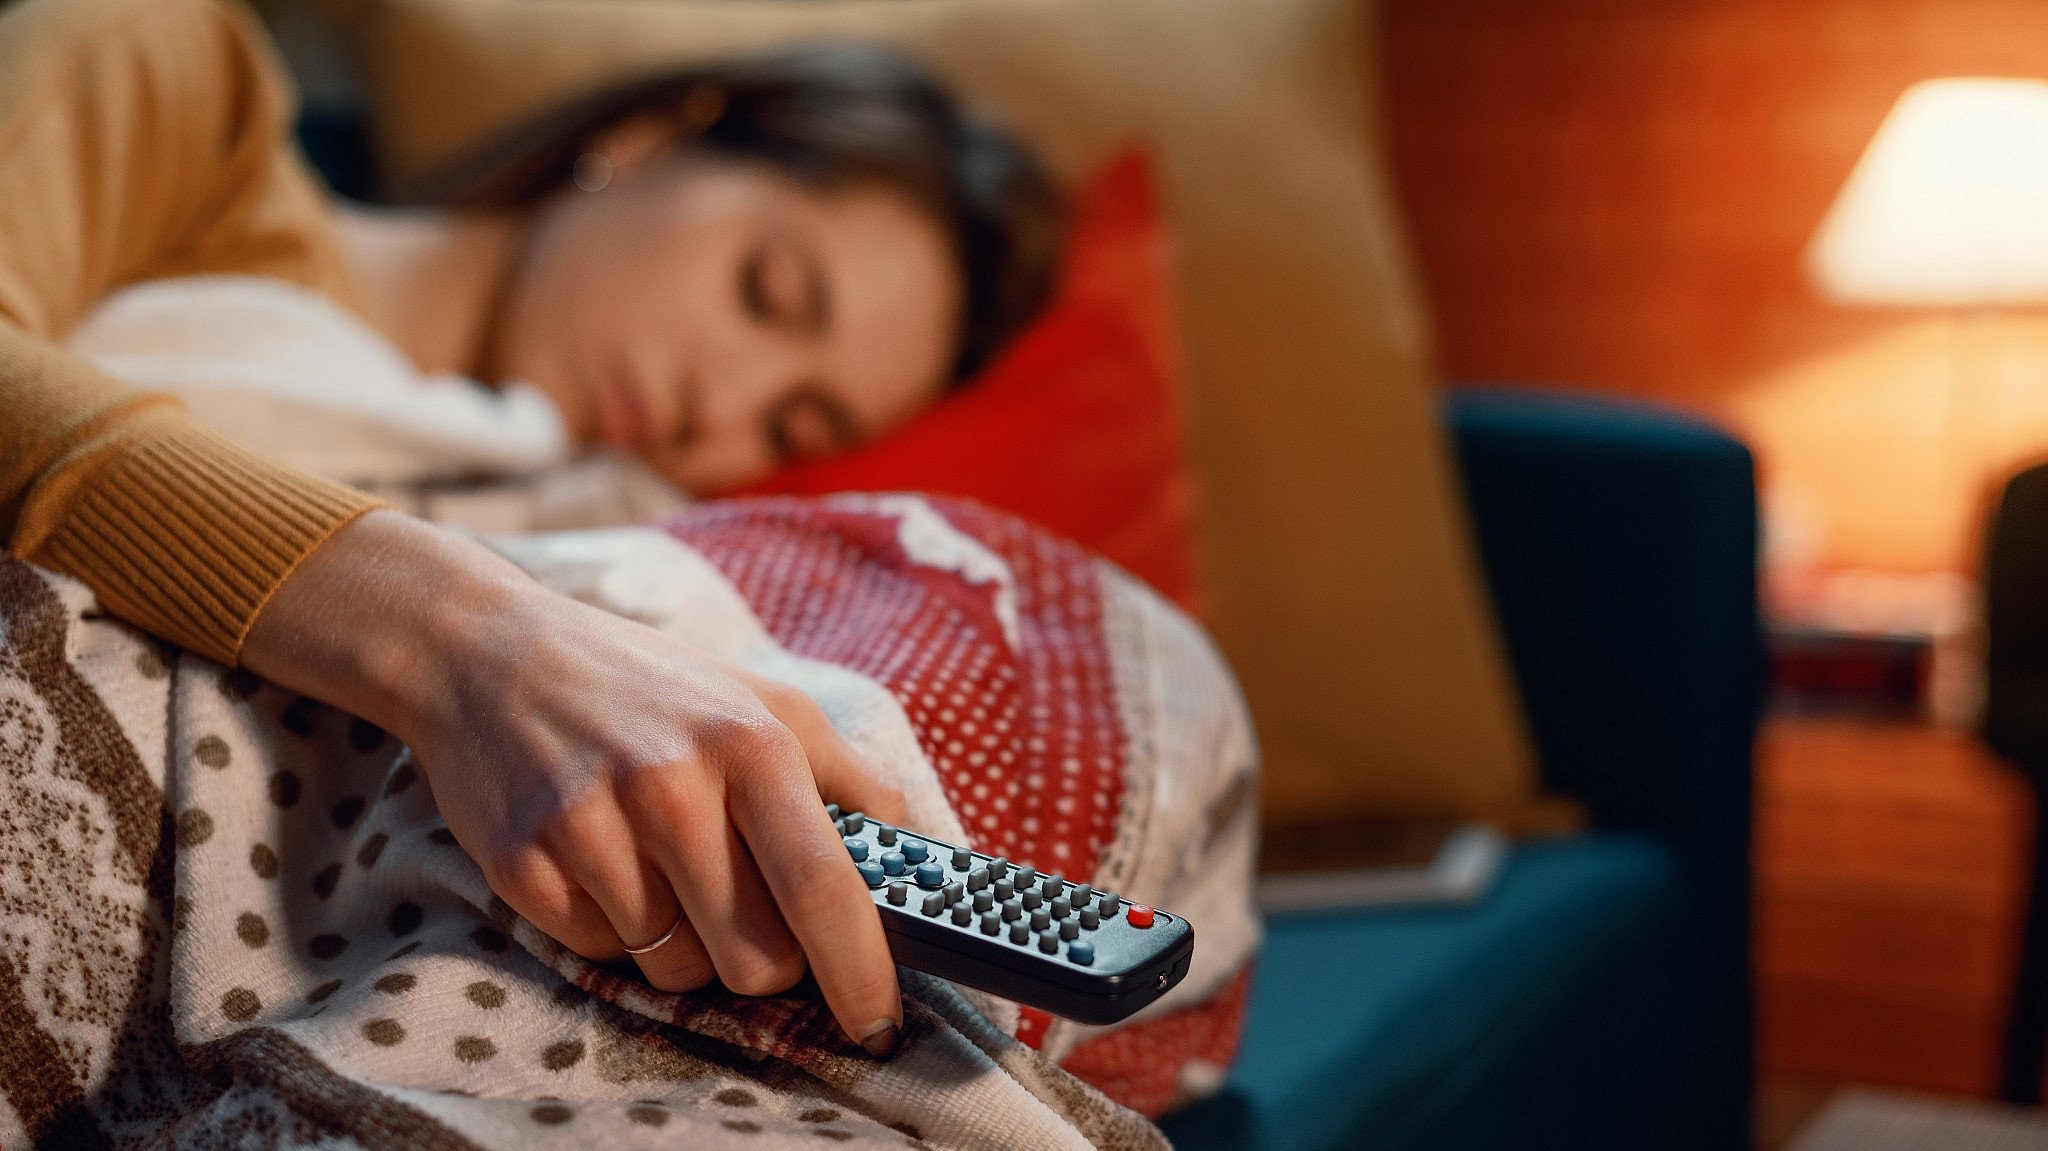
x=141, y=139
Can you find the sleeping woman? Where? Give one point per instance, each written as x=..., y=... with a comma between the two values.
x=714, y=272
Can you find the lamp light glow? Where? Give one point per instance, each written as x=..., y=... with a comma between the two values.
x=1948, y=204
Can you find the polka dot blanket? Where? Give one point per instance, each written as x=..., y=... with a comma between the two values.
x=231, y=917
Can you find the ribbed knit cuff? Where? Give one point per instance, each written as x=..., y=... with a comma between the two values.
x=187, y=534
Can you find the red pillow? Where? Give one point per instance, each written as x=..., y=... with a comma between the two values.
x=1076, y=426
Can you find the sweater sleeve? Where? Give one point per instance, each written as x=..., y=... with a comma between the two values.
x=141, y=139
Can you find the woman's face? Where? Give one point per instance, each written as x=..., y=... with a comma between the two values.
x=719, y=319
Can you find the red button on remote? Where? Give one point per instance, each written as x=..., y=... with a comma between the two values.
x=1139, y=915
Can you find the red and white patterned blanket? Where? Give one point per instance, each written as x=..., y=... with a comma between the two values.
x=229, y=916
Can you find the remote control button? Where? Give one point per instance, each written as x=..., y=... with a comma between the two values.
x=1012, y=911
x=1005, y=889
x=1041, y=919
x=1061, y=908
x=1108, y=901
x=954, y=893
x=999, y=867
x=915, y=850
x=1030, y=898
x=1139, y=915
x=1052, y=885
x=872, y=872
x=858, y=848
x=1049, y=943
x=1081, y=951
x=854, y=821
x=931, y=875
x=831, y=811
x=991, y=923
x=961, y=916
x=934, y=904
x=977, y=879
x=1026, y=876
x=962, y=859
x=1090, y=919
x=983, y=900
x=1019, y=933
x=899, y=892
x=1081, y=894
x=892, y=863
x=885, y=835
x=1069, y=929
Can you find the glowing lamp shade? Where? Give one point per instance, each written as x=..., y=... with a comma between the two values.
x=1949, y=204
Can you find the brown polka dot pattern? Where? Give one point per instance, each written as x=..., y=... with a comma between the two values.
x=327, y=946
x=365, y=736
x=405, y=918
x=181, y=912
x=833, y=1133
x=490, y=939
x=345, y=813
x=485, y=994
x=319, y=994
x=402, y=778
x=301, y=717
x=569, y=996
x=475, y=1049
x=150, y=663
x=250, y=929
x=397, y=983
x=263, y=861
x=402, y=952
x=239, y=684
x=194, y=827
x=284, y=789
x=743, y=1126
x=648, y=1116
x=384, y=1032
x=325, y=879
x=442, y=836
x=372, y=848
x=562, y=1056
x=240, y=1005
x=818, y=1115
x=212, y=751
x=551, y=1114
x=735, y=1097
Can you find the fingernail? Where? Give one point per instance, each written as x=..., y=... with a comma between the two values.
x=880, y=1038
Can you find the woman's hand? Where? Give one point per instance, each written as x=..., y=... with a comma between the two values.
x=609, y=779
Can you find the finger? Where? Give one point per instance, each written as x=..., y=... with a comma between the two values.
x=688, y=836
x=820, y=894
x=843, y=776
x=600, y=853
x=535, y=886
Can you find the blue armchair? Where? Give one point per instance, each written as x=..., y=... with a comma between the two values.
x=1600, y=996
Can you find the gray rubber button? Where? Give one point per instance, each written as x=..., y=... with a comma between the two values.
x=1069, y=929
x=899, y=892
x=1049, y=943
x=962, y=859
x=1041, y=919
x=1081, y=894
x=991, y=923
x=977, y=879
x=1031, y=898
x=1005, y=889
x=854, y=822
x=953, y=892
x=1090, y=919
x=1052, y=885
x=1108, y=901
x=885, y=835
x=1026, y=876
x=934, y=903
x=1061, y=908
x=983, y=900
x=961, y=916
x=831, y=811
x=1012, y=911
x=1019, y=933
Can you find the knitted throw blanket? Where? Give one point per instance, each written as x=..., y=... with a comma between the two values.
x=231, y=917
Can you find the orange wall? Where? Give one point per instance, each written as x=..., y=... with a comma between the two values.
x=1616, y=194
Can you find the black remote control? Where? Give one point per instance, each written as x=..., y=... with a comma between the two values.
x=1086, y=955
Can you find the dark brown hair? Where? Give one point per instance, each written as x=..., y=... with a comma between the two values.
x=826, y=115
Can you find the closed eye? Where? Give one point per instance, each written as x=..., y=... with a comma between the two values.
x=809, y=424
x=783, y=284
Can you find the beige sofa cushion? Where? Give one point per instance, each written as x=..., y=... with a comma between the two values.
x=1334, y=553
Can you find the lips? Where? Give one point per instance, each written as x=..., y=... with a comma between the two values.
x=622, y=414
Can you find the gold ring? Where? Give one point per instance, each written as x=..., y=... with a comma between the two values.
x=665, y=937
